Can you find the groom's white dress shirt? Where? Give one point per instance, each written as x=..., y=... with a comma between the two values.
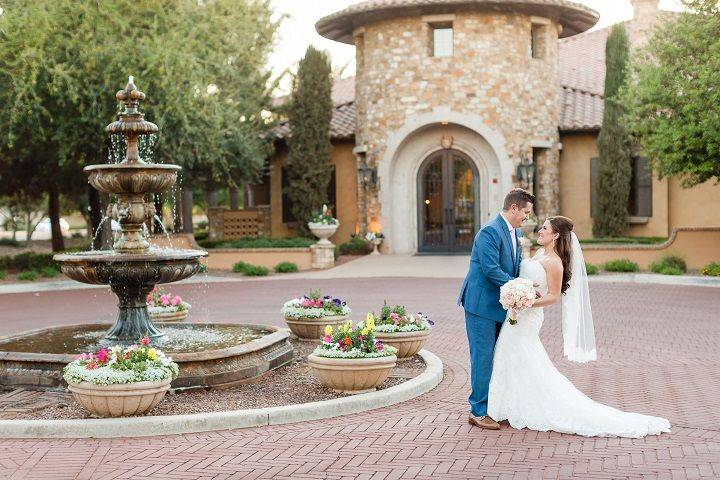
x=512, y=235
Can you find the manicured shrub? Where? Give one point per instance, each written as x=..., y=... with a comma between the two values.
x=670, y=270
x=49, y=272
x=356, y=246
x=9, y=242
x=591, y=269
x=33, y=261
x=621, y=265
x=673, y=261
x=286, y=267
x=712, y=269
x=3, y=274
x=240, y=267
x=259, y=242
x=28, y=276
x=256, y=271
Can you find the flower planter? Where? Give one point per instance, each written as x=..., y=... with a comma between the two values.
x=323, y=231
x=376, y=243
x=171, y=315
x=407, y=343
x=119, y=400
x=352, y=375
x=313, y=328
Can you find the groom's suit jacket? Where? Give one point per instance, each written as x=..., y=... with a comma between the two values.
x=492, y=264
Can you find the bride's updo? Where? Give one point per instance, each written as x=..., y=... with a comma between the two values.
x=563, y=226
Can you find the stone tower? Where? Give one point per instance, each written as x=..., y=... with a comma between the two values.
x=450, y=95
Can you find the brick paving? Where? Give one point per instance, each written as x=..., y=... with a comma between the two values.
x=658, y=349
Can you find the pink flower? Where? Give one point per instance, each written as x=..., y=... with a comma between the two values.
x=176, y=301
x=145, y=341
x=103, y=355
x=327, y=339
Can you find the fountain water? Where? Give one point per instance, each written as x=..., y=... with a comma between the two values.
x=208, y=354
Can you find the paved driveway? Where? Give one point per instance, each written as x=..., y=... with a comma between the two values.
x=659, y=354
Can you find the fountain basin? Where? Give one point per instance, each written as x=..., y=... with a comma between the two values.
x=209, y=355
x=132, y=178
x=106, y=267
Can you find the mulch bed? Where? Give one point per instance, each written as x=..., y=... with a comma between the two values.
x=292, y=384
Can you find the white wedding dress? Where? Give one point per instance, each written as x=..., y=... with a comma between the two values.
x=527, y=390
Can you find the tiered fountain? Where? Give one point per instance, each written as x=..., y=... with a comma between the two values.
x=208, y=354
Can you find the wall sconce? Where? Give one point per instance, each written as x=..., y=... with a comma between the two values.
x=526, y=172
x=368, y=176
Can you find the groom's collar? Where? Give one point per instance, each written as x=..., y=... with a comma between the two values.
x=509, y=226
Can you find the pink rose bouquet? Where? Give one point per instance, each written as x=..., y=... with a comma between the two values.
x=515, y=296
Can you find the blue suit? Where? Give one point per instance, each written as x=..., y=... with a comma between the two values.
x=492, y=264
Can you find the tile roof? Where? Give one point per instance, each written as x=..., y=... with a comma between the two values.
x=342, y=124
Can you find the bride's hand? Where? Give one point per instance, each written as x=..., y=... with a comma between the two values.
x=538, y=294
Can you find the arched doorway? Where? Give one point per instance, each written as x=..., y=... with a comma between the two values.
x=448, y=202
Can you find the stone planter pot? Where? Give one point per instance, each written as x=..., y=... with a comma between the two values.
x=171, y=316
x=407, y=343
x=376, y=243
x=323, y=232
x=119, y=400
x=352, y=375
x=313, y=328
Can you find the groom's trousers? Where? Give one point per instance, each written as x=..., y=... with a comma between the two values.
x=482, y=334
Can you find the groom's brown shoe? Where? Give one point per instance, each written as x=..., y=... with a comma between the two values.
x=483, y=422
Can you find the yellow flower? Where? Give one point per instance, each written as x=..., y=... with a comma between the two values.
x=365, y=330
x=328, y=330
x=370, y=322
x=152, y=354
x=346, y=328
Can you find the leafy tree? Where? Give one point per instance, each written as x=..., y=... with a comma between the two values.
x=674, y=100
x=309, y=115
x=614, y=143
x=200, y=63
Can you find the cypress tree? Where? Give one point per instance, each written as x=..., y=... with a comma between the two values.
x=310, y=112
x=614, y=143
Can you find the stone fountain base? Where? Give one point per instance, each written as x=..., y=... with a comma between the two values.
x=209, y=355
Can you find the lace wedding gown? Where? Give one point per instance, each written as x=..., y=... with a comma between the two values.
x=527, y=390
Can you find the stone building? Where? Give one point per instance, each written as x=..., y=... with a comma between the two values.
x=454, y=102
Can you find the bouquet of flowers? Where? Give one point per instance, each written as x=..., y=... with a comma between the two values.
x=158, y=301
x=396, y=319
x=516, y=296
x=110, y=366
x=315, y=305
x=370, y=236
x=324, y=218
x=353, y=341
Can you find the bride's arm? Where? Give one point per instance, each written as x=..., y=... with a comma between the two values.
x=554, y=271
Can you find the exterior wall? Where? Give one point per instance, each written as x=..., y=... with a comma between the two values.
x=696, y=206
x=577, y=151
x=346, y=182
x=490, y=76
x=225, y=258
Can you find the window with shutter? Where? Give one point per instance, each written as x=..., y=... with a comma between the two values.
x=594, y=163
x=640, y=204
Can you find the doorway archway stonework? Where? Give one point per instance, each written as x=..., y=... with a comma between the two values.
x=410, y=145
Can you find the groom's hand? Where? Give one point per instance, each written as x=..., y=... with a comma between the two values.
x=538, y=294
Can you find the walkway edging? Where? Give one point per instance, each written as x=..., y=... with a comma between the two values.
x=228, y=420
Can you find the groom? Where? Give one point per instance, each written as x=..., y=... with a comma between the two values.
x=495, y=260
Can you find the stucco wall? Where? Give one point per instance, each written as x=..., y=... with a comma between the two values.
x=575, y=157
x=346, y=209
x=696, y=206
x=491, y=76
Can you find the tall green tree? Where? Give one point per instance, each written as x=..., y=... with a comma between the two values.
x=309, y=115
x=674, y=100
x=202, y=65
x=614, y=143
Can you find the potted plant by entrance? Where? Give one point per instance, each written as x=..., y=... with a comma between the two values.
x=323, y=225
x=166, y=307
x=117, y=381
x=407, y=332
x=376, y=239
x=350, y=358
x=308, y=315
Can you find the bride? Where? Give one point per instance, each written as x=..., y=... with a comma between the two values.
x=525, y=388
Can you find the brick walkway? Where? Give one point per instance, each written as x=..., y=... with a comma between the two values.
x=658, y=348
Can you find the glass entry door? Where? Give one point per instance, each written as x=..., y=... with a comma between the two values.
x=448, y=206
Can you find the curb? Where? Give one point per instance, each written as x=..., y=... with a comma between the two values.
x=229, y=420
x=657, y=279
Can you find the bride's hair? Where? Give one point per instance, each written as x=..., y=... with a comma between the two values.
x=563, y=226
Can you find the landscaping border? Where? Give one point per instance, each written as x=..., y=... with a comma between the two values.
x=228, y=420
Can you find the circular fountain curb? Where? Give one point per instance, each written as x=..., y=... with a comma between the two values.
x=228, y=420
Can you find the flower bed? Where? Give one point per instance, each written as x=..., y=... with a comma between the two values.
x=117, y=381
x=407, y=332
x=350, y=359
x=163, y=306
x=308, y=315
